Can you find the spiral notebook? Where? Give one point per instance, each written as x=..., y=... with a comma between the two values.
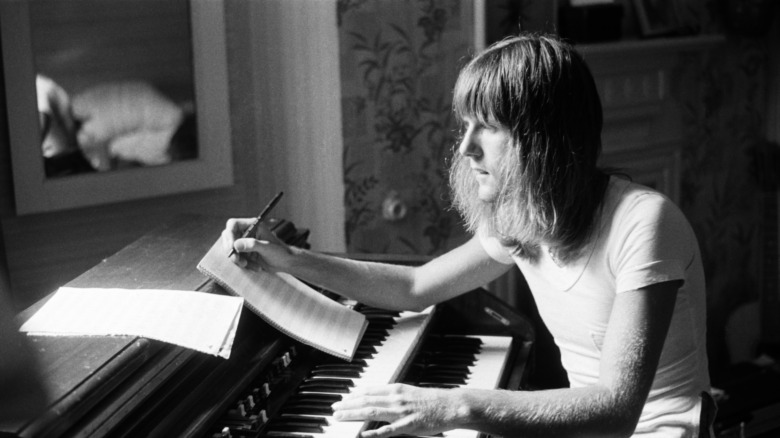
x=289, y=305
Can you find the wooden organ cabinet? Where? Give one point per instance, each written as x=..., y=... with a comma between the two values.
x=135, y=387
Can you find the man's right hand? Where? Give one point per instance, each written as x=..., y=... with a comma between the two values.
x=264, y=250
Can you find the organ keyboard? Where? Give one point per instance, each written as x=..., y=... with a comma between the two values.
x=486, y=361
x=443, y=361
x=271, y=386
x=387, y=345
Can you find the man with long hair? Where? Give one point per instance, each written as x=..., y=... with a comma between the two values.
x=613, y=266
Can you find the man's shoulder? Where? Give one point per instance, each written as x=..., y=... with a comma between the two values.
x=630, y=206
x=624, y=196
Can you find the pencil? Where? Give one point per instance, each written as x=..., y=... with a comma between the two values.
x=253, y=227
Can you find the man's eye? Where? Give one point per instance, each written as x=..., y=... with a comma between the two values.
x=492, y=127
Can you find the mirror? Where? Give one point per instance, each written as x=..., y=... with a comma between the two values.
x=129, y=97
x=114, y=83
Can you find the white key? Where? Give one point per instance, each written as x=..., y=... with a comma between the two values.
x=385, y=367
x=485, y=373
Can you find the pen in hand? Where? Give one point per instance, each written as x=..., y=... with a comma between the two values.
x=253, y=227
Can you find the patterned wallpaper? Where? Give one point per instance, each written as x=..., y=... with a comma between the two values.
x=399, y=61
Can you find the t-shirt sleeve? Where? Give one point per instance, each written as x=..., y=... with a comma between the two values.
x=653, y=243
x=494, y=248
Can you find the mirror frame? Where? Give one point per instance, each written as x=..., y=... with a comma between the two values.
x=213, y=168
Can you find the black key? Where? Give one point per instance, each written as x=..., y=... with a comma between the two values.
x=310, y=409
x=340, y=386
x=293, y=426
x=336, y=372
x=278, y=434
x=323, y=397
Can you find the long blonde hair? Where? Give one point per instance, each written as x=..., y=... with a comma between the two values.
x=540, y=89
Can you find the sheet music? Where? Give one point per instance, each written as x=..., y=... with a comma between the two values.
x=201, y=321
x=289, y=305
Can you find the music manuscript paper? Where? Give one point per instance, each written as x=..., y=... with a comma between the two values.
x=289, y=305
x=201, y=321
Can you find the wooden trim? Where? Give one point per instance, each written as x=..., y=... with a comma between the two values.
x=296, y=80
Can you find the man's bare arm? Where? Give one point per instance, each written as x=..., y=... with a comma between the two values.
x=380, y=284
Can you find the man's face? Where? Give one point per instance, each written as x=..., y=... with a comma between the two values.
x=485, y=148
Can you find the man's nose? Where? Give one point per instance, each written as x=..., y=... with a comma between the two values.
x=468, y=146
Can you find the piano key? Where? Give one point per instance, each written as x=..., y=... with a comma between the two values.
x=490, y=362
x=306, y=419
x=385, y=366
x=332, y=388
x=341, y=366
x=309, y=408
x=280, y=425
x=279, y=434
x=349, y=373
x=489, y=356
x=325, y=398
x=486, y=373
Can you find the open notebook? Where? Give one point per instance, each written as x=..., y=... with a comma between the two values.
x=289, y=305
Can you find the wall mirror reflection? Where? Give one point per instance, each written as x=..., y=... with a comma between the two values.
x=111, y=101
x=114, y=84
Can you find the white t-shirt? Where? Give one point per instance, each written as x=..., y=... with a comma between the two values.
x=641, y=239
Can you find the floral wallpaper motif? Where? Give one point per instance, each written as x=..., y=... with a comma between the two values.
x=398, y=65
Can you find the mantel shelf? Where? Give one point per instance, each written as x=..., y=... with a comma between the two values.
x=642, y=133
x=644, y=47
